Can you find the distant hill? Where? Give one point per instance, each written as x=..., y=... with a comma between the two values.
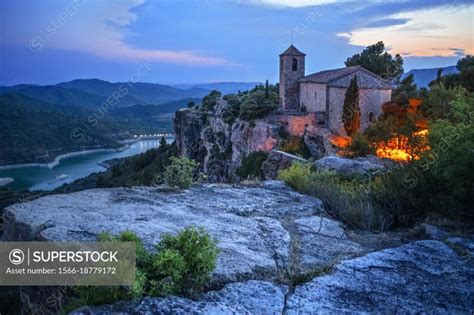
x=57, y=95
x=35, y=131
x=153, y=115
x=145, y=93
x=424, y=76
x=223, y=87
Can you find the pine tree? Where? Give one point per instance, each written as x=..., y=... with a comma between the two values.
x=351, y=110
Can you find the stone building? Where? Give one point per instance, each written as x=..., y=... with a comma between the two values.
x=322, y=94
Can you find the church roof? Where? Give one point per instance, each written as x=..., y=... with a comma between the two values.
x=292, y=51
x=342, y=78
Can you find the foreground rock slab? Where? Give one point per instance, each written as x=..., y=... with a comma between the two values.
x=251, y=297
x=248, y=222
x=422, y=277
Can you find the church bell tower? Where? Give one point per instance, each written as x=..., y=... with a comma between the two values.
x=291, y=70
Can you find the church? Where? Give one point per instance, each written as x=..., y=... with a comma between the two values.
x=321, y=95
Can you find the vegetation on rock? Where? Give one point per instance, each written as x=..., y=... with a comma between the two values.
x=251, y=167
x=182, y=265
x=180, y=173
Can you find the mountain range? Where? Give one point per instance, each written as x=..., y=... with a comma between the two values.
x=424, y=76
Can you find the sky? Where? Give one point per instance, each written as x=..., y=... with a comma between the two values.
x=190, y=41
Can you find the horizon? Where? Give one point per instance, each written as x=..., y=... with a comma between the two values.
x=204, y=41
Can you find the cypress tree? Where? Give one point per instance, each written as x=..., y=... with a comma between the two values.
x=351, y=110
x=267, y=95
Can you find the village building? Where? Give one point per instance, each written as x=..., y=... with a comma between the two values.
x=320, y=96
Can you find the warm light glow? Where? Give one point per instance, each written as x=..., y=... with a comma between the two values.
x=398, y=149
x=340, y=141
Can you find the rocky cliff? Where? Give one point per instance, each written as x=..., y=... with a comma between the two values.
x=219, y=141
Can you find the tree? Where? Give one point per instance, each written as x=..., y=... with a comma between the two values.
x=163, y=143
x=266, y=90
x=406, y=89
x=466, y=69
x=191, y=104
x=351, y=110
x=375, y=59
x=465, y=77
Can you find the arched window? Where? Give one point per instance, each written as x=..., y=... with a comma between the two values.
x=294, y=64
x=371, y=117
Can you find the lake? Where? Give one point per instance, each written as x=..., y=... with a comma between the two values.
x=43, y=178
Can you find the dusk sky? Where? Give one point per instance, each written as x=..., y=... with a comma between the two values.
x=188, y=41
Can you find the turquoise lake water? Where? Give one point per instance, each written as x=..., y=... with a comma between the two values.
x=43, y=178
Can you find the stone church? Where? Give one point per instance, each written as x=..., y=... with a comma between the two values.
x=321, y=95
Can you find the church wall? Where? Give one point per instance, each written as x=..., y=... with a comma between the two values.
x=313, y=96
x=370, y=100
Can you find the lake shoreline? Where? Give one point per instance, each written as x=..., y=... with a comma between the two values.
x=58, y=159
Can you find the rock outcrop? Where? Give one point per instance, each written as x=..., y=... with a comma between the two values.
x=277, y=161
x=345, y=166
x=250, y=224
x=220, y=142
x=270, y=238
x=421, y=277
x=251, y=297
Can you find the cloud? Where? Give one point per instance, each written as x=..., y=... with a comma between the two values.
x=288, y=3
x=387, y=22
x=419, y=36
x=102, y=28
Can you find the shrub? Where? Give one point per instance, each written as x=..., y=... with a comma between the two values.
x=252, y=165
x=184, y=262
x=255, y=109
x=209, y=101
x=295, y=145
x=347, y=198
x=180, y=173
x=360, y=146
x=182, y=265
x=98, y=295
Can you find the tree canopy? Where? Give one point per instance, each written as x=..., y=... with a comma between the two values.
x=375, y=59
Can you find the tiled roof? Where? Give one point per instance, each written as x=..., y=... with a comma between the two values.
x=292, y=51
x=342, y=78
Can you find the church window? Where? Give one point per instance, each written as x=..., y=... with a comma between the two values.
x=294, y=64
x=315, y=95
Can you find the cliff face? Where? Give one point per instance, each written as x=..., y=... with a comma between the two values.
x=219, y=141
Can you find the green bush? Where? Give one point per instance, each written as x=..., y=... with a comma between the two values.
x=349, y=199
x=360, y=146
x=252, y=165
x=209, y=101
x=98, y=295
x=184, y=262
x=180, y=173
x=182, y=265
